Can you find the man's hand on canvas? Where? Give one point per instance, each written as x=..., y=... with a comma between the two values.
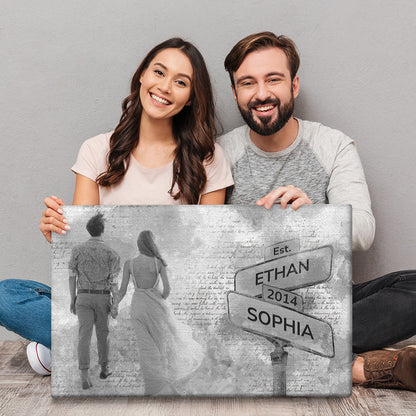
x=52, y=218
x=287, y=194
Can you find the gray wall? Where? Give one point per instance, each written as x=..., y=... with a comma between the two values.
x=66, y=66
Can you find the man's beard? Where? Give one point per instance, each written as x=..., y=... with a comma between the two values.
x=264, y=126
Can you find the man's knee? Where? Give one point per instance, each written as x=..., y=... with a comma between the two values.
x=102, y=331
x=85, y=329
x=404, y=280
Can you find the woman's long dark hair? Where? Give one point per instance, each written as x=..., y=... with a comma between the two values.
x=147, y=246
x=193, y=129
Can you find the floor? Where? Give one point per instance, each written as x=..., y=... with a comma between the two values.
x=22, y=392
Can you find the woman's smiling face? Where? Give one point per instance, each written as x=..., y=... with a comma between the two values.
x=166, y=84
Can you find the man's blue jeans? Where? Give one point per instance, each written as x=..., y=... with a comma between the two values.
x=384, y=310
x=25, y=308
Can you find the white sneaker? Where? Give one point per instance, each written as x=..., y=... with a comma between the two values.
x=39, y=358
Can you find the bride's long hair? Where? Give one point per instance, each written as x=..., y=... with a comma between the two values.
x=148, y=247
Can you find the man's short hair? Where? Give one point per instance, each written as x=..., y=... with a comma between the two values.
x=257, y=41
x=95, y=225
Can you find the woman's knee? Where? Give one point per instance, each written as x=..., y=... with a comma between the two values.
x=8, y=288
x=7, y=285
x=13, y=286
x=17, y=291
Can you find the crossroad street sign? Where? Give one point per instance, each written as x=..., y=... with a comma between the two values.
x=282, y=249
x=282, y=297
x=291, y=272
x=262, y=318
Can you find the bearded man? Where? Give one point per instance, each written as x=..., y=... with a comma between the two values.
x=277, y=157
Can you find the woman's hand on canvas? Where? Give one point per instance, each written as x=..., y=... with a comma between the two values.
x=52, y=218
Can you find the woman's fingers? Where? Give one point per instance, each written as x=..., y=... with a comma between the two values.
x=52, y=219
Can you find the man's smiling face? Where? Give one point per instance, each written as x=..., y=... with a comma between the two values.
x=264, y=90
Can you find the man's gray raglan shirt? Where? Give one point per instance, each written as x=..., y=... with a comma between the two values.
x=322, y=162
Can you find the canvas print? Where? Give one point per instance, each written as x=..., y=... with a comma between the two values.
x=202, y=301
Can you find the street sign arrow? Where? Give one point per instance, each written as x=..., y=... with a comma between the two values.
x=291, y=272
x=302, y=331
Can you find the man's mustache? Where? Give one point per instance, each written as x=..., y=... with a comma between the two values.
x=258, y=103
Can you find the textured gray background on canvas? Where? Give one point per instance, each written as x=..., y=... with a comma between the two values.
x=66, y=66
x=204, y=247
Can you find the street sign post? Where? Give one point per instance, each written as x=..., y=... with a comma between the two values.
x=278, y=315
x=274, y=321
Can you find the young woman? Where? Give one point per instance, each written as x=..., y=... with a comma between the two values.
x=167, y=351
x=161, y=152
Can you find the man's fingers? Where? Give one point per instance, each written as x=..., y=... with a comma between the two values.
x=287, y=194
x=290, y=195
x=271, y=197
x=299, y=202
